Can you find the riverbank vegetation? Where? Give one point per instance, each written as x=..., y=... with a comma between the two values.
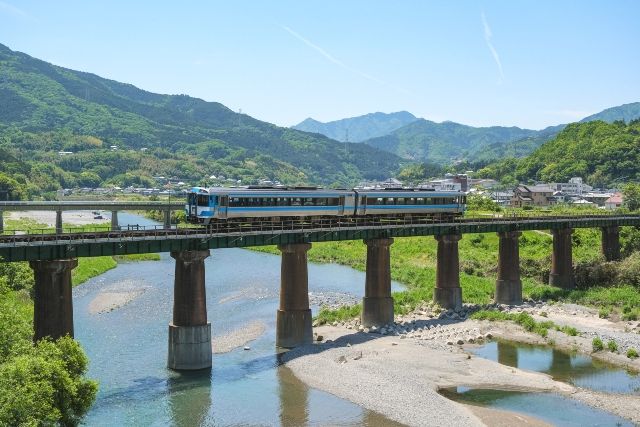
x=613, y=287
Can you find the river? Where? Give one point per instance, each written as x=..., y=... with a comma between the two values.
x=127, y=347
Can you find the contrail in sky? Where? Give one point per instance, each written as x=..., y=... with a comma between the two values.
x=494, y=52
x=330, y=57
x=13, y=10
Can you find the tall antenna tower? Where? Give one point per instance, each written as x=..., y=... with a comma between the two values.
x=346, y=141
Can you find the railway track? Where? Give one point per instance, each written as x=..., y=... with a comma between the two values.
x=237, y=227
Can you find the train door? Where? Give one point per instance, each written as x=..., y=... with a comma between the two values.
x=341, y=205
x=363, y=205
x=223, y=204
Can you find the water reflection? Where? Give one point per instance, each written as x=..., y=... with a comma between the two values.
x=552, y=408
x=577, y=369
x=294, y=399
x=189, y=397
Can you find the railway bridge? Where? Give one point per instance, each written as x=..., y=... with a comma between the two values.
x=52, y=256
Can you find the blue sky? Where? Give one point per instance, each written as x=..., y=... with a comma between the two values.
x=523, y=63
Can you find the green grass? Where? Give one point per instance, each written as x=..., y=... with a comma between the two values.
x=523, y=319
x=568, y=330
x=612, y=346
x=597, y=344
x=338, y=315
x=632, y=353
x=91, y=267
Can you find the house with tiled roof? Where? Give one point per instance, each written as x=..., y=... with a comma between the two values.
x=614, y=202
x=532, y=195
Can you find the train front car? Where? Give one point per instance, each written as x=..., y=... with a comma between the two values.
x=403, y=203
x=254, y=204
x=201, y=205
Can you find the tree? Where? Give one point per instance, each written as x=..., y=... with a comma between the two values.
x=10, y=189
x=45, y=386
x=631, y=196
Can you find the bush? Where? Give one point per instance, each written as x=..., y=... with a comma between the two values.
x=597, y=344
x=632, y=353
x=569, y=330
x=604, y=312
x=629, y=270
x=596, y=273
x=612, y=346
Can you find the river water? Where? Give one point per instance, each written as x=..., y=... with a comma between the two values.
x=127, y=347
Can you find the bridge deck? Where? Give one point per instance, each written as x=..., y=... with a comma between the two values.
x=24, y=247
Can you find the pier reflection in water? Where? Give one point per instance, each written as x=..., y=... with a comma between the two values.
x=577, y=369
x=127, y=348
x=549, y=407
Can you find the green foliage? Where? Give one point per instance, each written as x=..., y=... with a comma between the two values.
x=523, y=319
x=597, y=344
x=418, y=172
x=338, y=315
x=478, y=202
x=91, y=267
x=612, y=346
x=632, y=353
x=569, y=330
x=604, y=312
x=601, y=152
x=46, y=385
x=631, y=196
x=46, y=109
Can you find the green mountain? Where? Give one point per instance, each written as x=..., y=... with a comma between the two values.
x=359, y=128
x=424, y=140
x=602, y=153
x=626, y=112
x=45, y=109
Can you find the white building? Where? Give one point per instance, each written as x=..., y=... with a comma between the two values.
x=575, y=187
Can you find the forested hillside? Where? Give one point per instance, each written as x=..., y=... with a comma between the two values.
x=602, y=153
x=425, y=140
x=360, y=128
x=46, y=109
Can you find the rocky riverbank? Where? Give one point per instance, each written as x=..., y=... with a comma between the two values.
x=398, y=369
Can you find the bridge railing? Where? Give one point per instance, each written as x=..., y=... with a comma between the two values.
x=91, y=233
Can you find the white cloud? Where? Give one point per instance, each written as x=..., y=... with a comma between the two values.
x=494, y=52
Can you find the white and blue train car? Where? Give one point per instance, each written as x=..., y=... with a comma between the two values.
x=248, y=204
x=410, y=202
x=205, y=205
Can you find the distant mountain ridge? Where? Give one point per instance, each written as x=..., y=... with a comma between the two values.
x=424, y=140
x=38, y=97
x=360, y=128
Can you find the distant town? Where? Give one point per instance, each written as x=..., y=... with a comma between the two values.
x=575, y=192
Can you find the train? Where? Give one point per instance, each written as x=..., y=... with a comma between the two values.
x=249, y=204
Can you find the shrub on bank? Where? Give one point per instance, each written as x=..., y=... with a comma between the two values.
x=612, y=346
x=597, y=344
x=632, y=353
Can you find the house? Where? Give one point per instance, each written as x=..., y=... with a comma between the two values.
x=532, y=195
x=575, y=187
x=614, y=201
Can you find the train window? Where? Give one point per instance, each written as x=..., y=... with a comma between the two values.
x=333, y=201
x=321, y=201
x=400, y=201
x=389, y=201
x=410, y=201
x=234, y=201
x=419, y=200
x=372, y=201
x=296, y=201
x=203, y=200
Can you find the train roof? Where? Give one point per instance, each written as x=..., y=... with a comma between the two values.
x=277, y=191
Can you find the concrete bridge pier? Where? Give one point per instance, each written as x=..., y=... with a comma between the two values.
x=114, y=221
x=189, y=333
x=58, y=222
x=167, y=218
x=377, y=304
x=53, y=305
x=561, y=259
x=611, y=243
x=448, y=292
x=293, y=321
x=508, y=284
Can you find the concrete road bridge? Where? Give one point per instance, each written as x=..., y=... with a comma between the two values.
x=113, y=206
x=52, y=256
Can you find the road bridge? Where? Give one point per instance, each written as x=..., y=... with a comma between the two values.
x=52, y=257
x=94, y=205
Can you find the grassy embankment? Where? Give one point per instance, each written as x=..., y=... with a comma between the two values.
x=87, y=267
x=413, y=263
